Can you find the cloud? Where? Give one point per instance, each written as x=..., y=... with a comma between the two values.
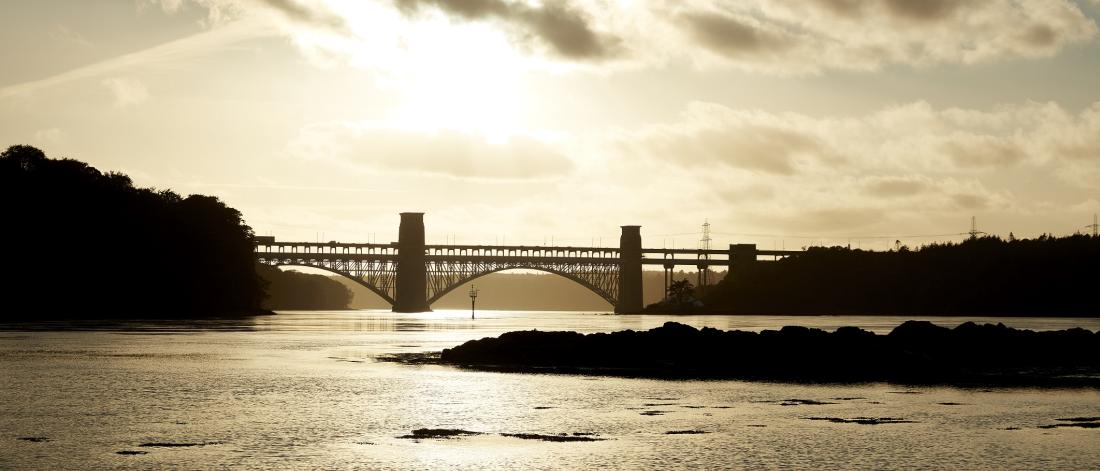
x=896, y=153
x=714, y=135
x=160, y=55
x=939, y=193
x=170, y=6
x=782, y=38
x=981, y=151
x=792, y=37
x=897, y=186
x=49, y=136
x=311, y=14
x=971, y=202
x=737, y=37
x=760, y=147
x=126, y=91
x=557, y=24
x=218, y=12
x=442, y=152
x=1073, y=145
x=839, y=219
x=808, y=36
x=898, y=170
x=63, y=34
x=925, y=10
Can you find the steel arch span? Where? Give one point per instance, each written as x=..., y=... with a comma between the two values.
x=600, y=278
x=375, y=275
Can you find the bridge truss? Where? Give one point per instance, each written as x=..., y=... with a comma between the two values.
x=600, y=277
x=377, y=274
x=446, y=268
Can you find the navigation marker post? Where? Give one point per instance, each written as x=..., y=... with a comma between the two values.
x=473, y=299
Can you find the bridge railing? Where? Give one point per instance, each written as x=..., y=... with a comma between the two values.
x=650, y=256
x=530, y=251
x=332, y=248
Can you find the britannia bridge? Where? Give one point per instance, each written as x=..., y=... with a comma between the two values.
x=411, y=275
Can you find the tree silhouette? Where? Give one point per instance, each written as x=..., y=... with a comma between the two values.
x=680, y=292
x=983, y=275
x=90, y=244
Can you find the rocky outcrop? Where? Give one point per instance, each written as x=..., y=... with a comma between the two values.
x=916, y=351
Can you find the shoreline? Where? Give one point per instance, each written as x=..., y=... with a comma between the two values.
x=1005, y=379
x=719, y=312
x=143, y=317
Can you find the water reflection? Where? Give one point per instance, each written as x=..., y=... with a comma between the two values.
x=302, y=389
x=233, y=324
x=500, y=321
x=374, y=320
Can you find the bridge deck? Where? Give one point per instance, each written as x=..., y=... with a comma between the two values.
x=335, y=247
x=391, y=258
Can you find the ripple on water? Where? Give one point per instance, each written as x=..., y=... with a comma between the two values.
x=277, y=401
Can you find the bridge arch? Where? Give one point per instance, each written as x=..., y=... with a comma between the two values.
x=382, y=294
x=603, y=294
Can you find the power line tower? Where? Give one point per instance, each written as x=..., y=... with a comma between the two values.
x=704, y=244
x=1095, y=227
x=974, y=228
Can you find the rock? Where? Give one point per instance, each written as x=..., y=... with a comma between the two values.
x=554, y=438
x=914, y=352
x=425, y=433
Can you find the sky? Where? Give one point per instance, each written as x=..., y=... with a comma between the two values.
x=781, y=123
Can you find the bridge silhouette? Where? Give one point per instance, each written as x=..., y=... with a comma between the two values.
x=411, y=275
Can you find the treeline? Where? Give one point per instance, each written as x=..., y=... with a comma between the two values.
x=117, y=250
x=1045, y=276
x=291, y=290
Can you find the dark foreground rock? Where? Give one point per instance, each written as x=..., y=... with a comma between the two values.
x=176, y=444
x=426, y=433
x=914, y=352
x=576, y=437
x=863, y=420
x=446, y=433
x=1079, y=422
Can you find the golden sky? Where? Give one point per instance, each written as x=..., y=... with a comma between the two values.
x=782, y=123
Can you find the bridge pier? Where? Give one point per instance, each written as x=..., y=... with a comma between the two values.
x=630, y=271
x=669, y=274
x=411, y=284
x=741, y=256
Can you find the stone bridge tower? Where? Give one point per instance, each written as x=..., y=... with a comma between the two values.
x=630, y=270
x=411, y=290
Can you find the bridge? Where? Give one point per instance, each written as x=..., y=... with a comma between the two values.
x=411, y=275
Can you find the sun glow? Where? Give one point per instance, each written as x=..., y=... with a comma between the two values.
x=446, y=74
x=462, y=80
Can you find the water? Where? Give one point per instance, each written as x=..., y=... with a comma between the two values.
x=304, y=390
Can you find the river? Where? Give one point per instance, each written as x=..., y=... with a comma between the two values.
x=305, y=390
